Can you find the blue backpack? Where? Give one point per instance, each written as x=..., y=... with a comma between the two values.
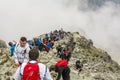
x=37, y=41
x=30, y=42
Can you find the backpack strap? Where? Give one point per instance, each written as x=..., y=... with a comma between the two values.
x=25, y=49
x=45, y=71
x=17, y=45
x=20, y=71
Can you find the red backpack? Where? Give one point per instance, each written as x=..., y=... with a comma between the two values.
x=61, y=63
x=31, y=72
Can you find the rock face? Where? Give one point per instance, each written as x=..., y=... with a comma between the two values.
x=97, y=64
x=2, y=44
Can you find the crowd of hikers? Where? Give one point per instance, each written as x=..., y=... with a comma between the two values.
x=26, y=53
x=63, y=53
x=43, y=44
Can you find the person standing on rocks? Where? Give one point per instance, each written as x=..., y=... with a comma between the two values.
x=59, y=50
x=62, y=68
x=32, y=70
x=12, y=47
x=21, y=51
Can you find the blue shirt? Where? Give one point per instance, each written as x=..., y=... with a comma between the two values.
x=49, y=45
x=12, y=50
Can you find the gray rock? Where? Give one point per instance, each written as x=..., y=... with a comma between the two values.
x=2, y=44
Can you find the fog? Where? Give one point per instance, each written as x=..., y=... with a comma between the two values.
x=34, y=17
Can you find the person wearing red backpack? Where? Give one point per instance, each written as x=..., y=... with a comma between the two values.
x=32, y=70
x=61, y=67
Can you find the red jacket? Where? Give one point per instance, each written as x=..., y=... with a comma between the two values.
x=61, y=63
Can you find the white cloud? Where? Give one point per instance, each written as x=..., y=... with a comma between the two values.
x=33, y=17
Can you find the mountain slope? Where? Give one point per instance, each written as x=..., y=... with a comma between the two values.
x=97, y=64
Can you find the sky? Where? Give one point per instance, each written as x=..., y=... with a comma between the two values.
x=31, y=18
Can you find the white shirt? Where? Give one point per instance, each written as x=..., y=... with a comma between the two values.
x=42, y=70
x=21, y=54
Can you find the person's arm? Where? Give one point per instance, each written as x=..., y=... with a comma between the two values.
x=48, y=75
x=14, y=42
x=15, y=56
x=17, y=75
x=26, y=59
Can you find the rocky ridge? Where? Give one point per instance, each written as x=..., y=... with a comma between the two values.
x=97, y=64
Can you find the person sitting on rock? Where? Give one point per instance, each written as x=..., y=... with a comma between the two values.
x=79, y=65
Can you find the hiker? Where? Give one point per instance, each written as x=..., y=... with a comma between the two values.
x=21, y=51
x=31, y=43
x=66, y=54
x=54, y=36
x=41, y=47
x=59, y=50
x=45, y=41
x=62, y=55
x=49, y=44
x=37, y=41
x=61, y=67
x=32, y=70
x=61, y=32
x=12, y=47
x=79, y=65
x=46, y=48
x=46, y=37
x=57, y=37
x=51, y=36
x=52, y=42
